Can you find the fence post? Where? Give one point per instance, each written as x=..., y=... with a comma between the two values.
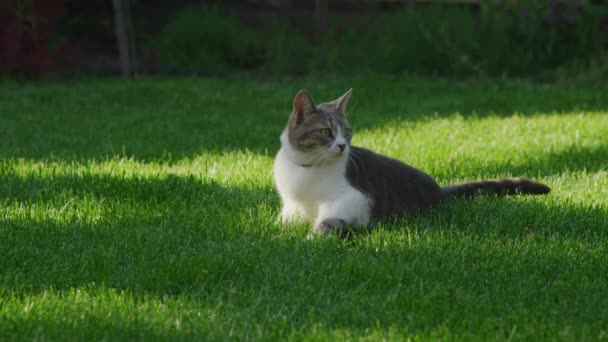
x=321, y=12
x=123, y=37
x=411, y=5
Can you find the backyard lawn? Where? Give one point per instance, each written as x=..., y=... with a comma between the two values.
x=146, y=209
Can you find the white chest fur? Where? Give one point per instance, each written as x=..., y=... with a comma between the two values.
x=317, y=193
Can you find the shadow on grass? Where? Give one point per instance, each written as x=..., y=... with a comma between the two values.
x=590, y=159
x=92, y=326
x=379, y=99
x=167, y=120
x=176, y=236
x=247, y=285
x=109, y=190
x=518, y=218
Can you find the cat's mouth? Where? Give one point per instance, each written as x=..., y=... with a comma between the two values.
x=337, y=153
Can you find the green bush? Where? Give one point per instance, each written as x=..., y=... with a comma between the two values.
x=500, y=38
x=285, y=49
x=204, y=39
x=512, y=39
x=528, y=36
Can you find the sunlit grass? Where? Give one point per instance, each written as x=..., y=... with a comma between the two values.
x=146, y=210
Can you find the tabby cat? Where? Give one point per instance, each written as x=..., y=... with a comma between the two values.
x=324, y=180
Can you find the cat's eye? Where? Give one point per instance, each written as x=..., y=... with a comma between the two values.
x=326, y=132
x=348, y=133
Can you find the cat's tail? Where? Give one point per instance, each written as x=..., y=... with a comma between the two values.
x=496, y=187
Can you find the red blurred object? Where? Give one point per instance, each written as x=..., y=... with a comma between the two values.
x=29, y=42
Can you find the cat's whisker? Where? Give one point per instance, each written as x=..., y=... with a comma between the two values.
x=316, y=157
x=352, y=157
x=322, y=158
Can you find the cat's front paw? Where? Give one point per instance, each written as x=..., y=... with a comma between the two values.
x=331, y=226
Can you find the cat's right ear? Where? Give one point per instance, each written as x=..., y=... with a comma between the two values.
x=303, y=104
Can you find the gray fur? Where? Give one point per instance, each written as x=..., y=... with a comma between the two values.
x=307, y=120
x=397, y=188
x=332, y=226
x=393, y=187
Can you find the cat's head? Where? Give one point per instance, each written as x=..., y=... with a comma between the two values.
x=319, y=131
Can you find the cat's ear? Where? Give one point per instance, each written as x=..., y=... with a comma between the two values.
x=303, y=103
x=341, y=102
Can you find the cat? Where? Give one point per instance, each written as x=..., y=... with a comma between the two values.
x=324, y=180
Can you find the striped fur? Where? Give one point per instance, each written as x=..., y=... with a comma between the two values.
x=496, y=187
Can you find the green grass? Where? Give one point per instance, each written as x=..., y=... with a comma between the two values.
x=139, y=210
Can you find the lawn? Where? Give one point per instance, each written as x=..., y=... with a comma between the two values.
x=139, y=210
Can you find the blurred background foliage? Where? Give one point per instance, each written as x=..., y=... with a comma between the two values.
x=475, y=39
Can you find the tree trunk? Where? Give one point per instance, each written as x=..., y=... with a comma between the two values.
x=321, y=14
x=123, y=38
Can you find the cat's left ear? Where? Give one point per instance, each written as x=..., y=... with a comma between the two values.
x=341, y=102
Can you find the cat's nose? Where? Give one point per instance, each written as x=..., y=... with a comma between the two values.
x=341, y=147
